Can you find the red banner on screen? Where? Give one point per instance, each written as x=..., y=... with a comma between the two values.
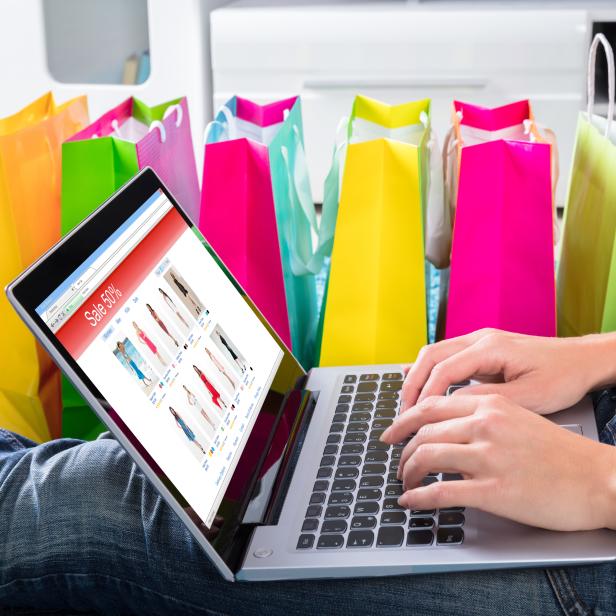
x=99, y=309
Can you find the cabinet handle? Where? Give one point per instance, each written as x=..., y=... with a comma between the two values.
x=357, y=83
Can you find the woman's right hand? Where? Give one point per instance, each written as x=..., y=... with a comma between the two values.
x=541, y=374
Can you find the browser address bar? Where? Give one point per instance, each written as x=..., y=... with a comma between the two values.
x=112, y=257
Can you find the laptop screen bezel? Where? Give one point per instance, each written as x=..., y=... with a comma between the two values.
x=55, y=266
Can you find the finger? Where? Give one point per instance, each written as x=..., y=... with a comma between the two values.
x=429, y=357
x=431, y=410
x=458, y=430
x=476, y=359
x=443, y=494
x=439, y=458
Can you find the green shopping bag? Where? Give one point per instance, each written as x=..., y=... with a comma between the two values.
x=101, y=158
x=586, y=298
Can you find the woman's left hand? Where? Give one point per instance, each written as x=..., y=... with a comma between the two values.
x=515, y=463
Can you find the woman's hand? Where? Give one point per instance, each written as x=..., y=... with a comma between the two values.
x=515, y=463
x=541, y=374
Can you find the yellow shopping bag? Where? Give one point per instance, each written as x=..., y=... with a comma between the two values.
x=375, y=305
x=30, y=172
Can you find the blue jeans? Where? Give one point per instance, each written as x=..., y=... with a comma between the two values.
x=81, y=529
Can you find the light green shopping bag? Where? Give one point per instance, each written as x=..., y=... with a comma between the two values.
x=97, y=161
x=586, y=298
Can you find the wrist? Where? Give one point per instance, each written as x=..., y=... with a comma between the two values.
x=606, y=490
x=599, y=360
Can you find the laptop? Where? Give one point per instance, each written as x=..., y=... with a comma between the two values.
x=276, y=472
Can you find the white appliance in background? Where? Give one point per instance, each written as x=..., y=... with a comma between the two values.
x=484, y=53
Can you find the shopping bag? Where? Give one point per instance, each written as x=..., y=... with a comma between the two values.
x=502, y=262
x=375, y=301
x=100, y=159
x=30, y=143
x=257, y=213
x=587, y=264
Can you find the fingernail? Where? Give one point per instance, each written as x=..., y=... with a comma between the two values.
x=402, y=501
x=384, y=435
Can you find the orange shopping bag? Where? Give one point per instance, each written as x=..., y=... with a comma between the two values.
x=30, y=175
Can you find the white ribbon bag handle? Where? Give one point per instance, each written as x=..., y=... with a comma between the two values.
x=611, y=79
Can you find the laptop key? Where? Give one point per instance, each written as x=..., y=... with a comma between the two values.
x=347, y=389
x=363, y=406
x=361, y=416
x=393, y=478
x=355, y=437
x=360, y=539
x=317, y=498
x=396, y=452
x=330, y=542
x=334, y=526
x=366, y=508
x=305, y=542
x=391, y=504
x=366, y=494
x=320, y=486
x=419, y=537
x=393, y=517
x=363, y=521
x=349, y=472
x=390, y=386
x=421, y=523
x=390, y=536
x=339, y=418
x=310, y=524
x=393, y=490
x=327, y=460
x=345, y=399
x=452, y=477
x=352, y=448
x=337, y=511
x=369, y=377
x=314, y=511
x=342, y=408
x=334, y=438
x=376, y=456
x=325, y=472
x=330, y=450
x=368, y=387
x=453, y=518
x=392, y=376
x=381, y=423
x=350, y=378
x=344, y=485
x=365, y=397
x=371, y=481
x=387, y=395
x=449, y=536
x=377, y=446
x=349, y=461
x=393, y=466
x=337, y=427
x=448, y=509
x=375, y=435
x=423, y=511
x=385, y=414
x=373, y=469
x=340, y=498
x=387, y=404
x=429, y=480
x=358, y=426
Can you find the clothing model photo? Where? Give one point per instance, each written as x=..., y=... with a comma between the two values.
x=211, y=420
x=144, y=339
x=217, y=398
x=182, y=289
x=161, y=324
x=223, y=371
x=174, y=308
x=229, y=350
x=188, y=433
x=134, y=363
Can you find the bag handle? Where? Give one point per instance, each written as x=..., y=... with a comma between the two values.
x=611, y=78
x=179, y=114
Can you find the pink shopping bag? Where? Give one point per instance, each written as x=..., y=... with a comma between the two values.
x=238, y=214
x=502, y=263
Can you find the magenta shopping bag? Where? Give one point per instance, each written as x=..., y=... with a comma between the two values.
x=238, y=214
x=502, y=262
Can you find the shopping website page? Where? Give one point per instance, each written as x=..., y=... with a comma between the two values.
x=166, y=338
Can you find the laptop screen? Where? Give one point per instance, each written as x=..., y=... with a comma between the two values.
x=187, y=368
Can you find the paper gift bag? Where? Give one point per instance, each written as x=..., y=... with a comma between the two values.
x=375, y=304
x=257, y=212
x=587, y=264
x=30, y=143
x=99, y=160
x=502, y=262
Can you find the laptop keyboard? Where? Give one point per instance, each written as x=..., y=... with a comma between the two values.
x=354, y=502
